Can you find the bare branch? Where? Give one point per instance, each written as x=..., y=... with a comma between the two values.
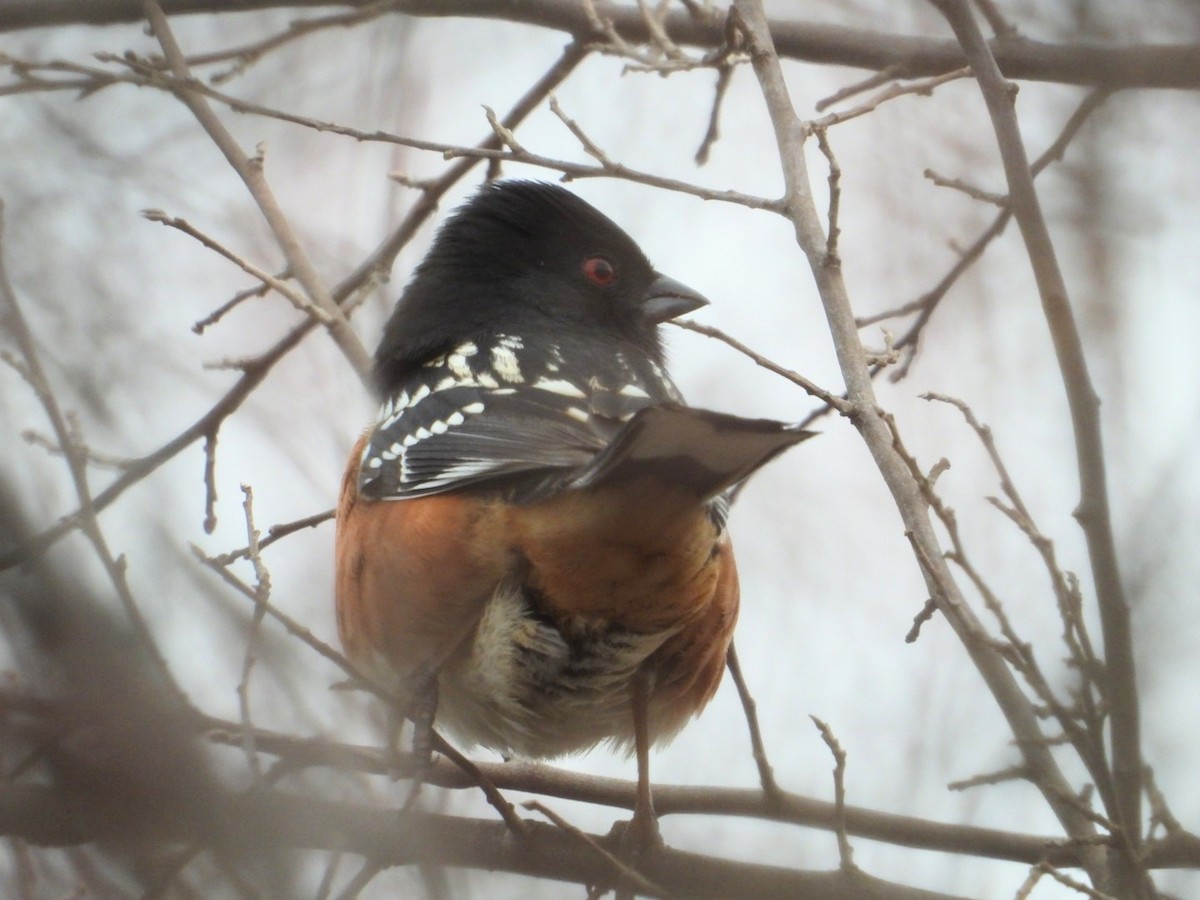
x=790, y=137
x=1145, y=65
x=13, y=320
x=262, y=597
x=250, y=170
x=923, y=88
x=833, y=401
x=295, y=297
x=1093, y=511
x=281, y=820
x=766, y=776
x=845, y=851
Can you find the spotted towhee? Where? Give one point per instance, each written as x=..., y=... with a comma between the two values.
x=531, y=536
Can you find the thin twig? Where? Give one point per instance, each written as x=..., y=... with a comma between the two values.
x=590, y=147
x=92, y=457
x=975, y=193
x=262, y=597
x=923, y=88
x=574, y=171
x=833, y=401
x=280, y=286
x=210, y=481
x=713, y=133
x=766, y=777
x=872, y=81
x=276, y=533
x=833, y=230
x=236, y=300
x=845, y=851
x=1001, y=776
x=1087, y=739
x=248, y=54
x=364, y=876
x=1066, y=591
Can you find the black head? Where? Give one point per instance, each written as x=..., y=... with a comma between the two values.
x=530, y=259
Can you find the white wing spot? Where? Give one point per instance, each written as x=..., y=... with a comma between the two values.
x=438, y=427
x=632, y=390
x=578, y=414
x=392, y=409
x=418, y=395
x=559, y=386
x=455, y=418
x=374, y=463
x=505, y=363
x=423, y=433
x=457, y=363
x=473, y=408
x=510, y=342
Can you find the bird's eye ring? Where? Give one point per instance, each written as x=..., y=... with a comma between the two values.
x=600, y=270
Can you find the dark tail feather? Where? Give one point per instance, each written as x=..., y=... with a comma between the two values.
x=705, y=451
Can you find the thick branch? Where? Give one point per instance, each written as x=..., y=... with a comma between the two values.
x=1093, y=511
x=669, y=799
x=790, y=136
x=277, y=820
x=1144, y=65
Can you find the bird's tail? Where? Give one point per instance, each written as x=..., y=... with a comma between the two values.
x=706, y=452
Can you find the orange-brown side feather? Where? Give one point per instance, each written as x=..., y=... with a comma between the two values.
x=637, y=554
x=648, y=557
x=413, y=575
x=691, y=664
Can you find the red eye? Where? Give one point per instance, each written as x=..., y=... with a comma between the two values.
x=600, y=271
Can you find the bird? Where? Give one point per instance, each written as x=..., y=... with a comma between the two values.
x=531, y=536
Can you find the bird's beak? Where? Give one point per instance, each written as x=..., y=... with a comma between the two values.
x=668, y=299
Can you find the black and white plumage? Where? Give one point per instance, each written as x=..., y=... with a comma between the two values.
x=521, y=375
x=498, y=409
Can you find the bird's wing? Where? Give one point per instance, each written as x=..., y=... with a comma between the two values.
x=490, y=416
